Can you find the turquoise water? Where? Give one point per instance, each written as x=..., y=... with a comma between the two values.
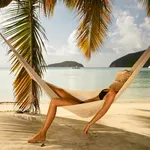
x=83, y=79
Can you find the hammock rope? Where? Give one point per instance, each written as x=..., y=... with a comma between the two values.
x=84, y=110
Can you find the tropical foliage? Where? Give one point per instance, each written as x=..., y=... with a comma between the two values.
x=94, y=16
x=23, y=29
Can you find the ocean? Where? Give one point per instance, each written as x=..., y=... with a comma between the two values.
x=86, y=79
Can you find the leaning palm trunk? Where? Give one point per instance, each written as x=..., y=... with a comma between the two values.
x=4, y=3
x=24, y=31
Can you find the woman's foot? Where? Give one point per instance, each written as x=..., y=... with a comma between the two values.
x=37, y=138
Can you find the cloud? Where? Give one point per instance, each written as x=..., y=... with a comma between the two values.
x=137, y=16
x=146, y=24
x=128, y=30
x=50, y=49
x=70, y=48
x=140, y=6
x=127, y=36
x=134, y=4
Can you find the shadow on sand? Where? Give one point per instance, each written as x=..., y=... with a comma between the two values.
x=143, y=119
x=66, y=134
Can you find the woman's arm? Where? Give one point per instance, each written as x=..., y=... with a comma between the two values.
x=108, y=101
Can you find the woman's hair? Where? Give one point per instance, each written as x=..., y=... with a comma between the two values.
x=103, y=93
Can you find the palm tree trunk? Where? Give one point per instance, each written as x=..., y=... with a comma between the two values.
x=4, y=3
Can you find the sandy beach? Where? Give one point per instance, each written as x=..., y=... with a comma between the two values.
x=126, y=126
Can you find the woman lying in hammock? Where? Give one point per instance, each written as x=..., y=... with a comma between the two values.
x=66, y=99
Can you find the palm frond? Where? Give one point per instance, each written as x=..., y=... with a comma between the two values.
x=95, y=15
x=4, y=3
x=70, y=3
x=146, y=4
x=24, y=31
x=49, y=6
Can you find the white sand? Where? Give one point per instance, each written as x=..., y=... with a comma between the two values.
x=126, y=126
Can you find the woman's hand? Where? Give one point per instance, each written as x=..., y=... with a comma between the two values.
x=86, y=129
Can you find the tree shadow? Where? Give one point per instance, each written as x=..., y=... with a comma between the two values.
x=146, y=110
x=67, y=134
x=145, y=120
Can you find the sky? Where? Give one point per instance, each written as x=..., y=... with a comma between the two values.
x=129, y=32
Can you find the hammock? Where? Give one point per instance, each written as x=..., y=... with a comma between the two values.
x=84, y=110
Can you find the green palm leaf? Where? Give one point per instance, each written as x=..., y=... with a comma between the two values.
x=146, y=4
x=24, y=31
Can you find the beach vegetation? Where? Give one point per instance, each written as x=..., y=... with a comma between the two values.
x=22, y=27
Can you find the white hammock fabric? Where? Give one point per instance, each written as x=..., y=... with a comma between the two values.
x=84, y=110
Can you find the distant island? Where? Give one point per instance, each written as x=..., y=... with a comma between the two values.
x=66, y=64
x=129, y=60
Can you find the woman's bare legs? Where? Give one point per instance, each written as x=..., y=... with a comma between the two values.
x=56, y=102
x=62, y=93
